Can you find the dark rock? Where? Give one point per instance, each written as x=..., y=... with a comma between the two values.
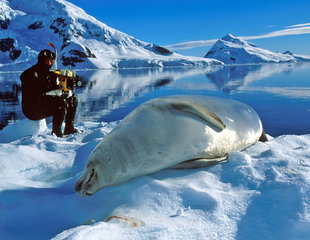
x=36, y=25
x=89, y=53
x=4, y=24
x=14, y=54
x=66, y=42
x=162, y=50
x=209, y=53
x=77, y=33
x=6, y=44
x=66, y=61
x=58, y=25
x=77, y=56
x=80, y=54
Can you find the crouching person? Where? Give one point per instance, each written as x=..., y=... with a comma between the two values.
x=37, y=81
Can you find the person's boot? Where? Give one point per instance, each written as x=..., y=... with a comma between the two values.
x=69, y=127
x=57, y=122
x=57, y=132
x=57, y=129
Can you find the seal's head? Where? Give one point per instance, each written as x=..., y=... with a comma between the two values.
x=88, y=183
x=101, y=171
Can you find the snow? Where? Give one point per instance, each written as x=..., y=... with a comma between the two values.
x=81, y=40
x=262, y=192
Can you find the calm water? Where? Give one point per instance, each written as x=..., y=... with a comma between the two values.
x=280, y=93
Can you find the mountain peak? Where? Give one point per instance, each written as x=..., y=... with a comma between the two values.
x=288, y=52
x=235, y=40
x=229, y=37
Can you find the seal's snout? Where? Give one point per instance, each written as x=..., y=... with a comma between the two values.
x=86, y=182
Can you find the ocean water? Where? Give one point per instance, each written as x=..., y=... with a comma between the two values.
x=280, y=93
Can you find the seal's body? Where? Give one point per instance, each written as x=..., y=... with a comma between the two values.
x=165, y=132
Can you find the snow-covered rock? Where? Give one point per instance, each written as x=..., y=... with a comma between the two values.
x=234, y=50
x=82, y=41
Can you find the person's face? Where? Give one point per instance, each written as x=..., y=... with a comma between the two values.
x=48, y=62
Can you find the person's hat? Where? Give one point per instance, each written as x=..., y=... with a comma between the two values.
x=46, y=54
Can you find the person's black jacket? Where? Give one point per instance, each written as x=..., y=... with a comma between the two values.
x=36, y=81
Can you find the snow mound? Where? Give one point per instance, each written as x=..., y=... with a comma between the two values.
x=21, y=129
x=233, y=50
x=262, y=192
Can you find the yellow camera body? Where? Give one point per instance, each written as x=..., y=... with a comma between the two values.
x=64, y=76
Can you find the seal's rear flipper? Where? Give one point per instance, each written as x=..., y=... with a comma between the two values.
x=263, y=137
x=201, y=162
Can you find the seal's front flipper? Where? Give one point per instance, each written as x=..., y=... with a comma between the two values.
x=201, y=162
x=197, y=110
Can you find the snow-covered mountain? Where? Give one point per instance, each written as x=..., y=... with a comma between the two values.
x=233, y=50
x=26, y=27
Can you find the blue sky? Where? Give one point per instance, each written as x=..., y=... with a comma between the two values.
x=276, y=25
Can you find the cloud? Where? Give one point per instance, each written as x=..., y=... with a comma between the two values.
x=193, y=44
x=297, y=29
x=290, y=30
x=299, y=25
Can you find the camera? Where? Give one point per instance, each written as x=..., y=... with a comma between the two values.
x=65, y=80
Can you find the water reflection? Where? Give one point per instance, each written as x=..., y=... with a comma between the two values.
x=231, y=78
x=109, y=95
x=9, y=100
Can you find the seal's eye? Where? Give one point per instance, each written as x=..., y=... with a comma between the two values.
x=91, y=164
